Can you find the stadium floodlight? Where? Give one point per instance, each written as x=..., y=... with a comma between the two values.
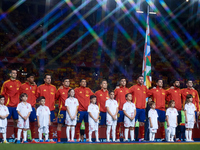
x=139, y=11
x=187, y=0
x=153, y=13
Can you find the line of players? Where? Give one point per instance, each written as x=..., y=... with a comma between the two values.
x=12, y=88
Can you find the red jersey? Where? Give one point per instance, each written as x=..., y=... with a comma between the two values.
x=195, y=95
x=49, y=92
x=10, y=90
x=120, y=96
x=139, y=93
x=159, y=96
x=175, y=94
x=102, y=96
x=62, y=95
x=83, y=95
x=30, y=90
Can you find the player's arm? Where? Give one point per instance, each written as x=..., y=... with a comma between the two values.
x=115, y=116
x=92, y=116
x=124, y=111
x=20, y=114
x=134, y=114
x=167, y=119
x=186, y=120
x=69, y=112
x=3, y=117
x=75, y=113
x=3, y=89
x=38, y=120
x=28, y=115
x=108, y=110
x=149, y=93
x=197, y=102
x=151, y=126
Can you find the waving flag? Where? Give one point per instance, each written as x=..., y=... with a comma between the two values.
x=146, y=67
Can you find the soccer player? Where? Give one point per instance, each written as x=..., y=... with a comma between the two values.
x=83, y=95
x=129, y=119
x=93, y=111
x=139, y=94
x=10, y=90
x=48, y=91
x=24, y=110
x=120, y=98
x=158, y=96
x=102, y=96
x=62, y=95
x=3, y=118
x=111, y=116
x=71, y=114
x=43, y=118
x=30, y=88
x=171, y=116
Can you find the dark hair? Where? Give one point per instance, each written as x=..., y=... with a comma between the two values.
x=103, y=80
x=188, y=80
x=22, y=95
x=82, y=80
x=158, y=80
x=65, y=78
x=92, y=96
x=111, y=92
x=1, y=96
x=174, y=80
x=127, y=95
x=122, y=77
x=170, y=102
x=140, y=76
x=47, y=75
x=12, y=70
x=40, y=98
x=152, y=103
x=188, y=97
x=29, y=75
x=69, y=92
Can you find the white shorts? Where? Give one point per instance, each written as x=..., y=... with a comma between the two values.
x=44, y=129
x=128, y=122
x=171, y=130
x=3, y=129
x=152, y=130
x=23, y=124
x=111, y=122
x=93, y=127
x=189, y=125
x=70, y=122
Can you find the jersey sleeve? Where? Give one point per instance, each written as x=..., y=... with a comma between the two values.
x=37, y=111
x=18, y=107
x=150, y=92
x=116, y=103
x=124, y=107
x=176, y=112
x=30, y=108
x=89, y=108
x=197, y=101
x=7, y=111
x=57, y=94
x=77, y=102
x=3, y=89
x=185, y=108
x=107, y=103
x=66, y=102
x=38, y=92
x=49, y=112
x=149, y=114
x=167, y=112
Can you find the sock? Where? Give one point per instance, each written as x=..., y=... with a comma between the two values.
x=25, y=135
x=78, y=125
x=150, y=136
x=168, y=135
x=141, y=130
x=46, y=136
x=40, y=135
x=50, y=132
x=19, y=134
x=108, y=133
x=15, y=132
x=186, y=134
x=97, y=135
x=59, y=134
x=4, y=136
x=113, y=132
x=132, y=134
x=72, y=133
x=90, y=135
x=117, y=130
x=86, y=129
x=32, y=127
x=126, y=134
x=162, y=132
x=190, y=134
x=172, y=138
x=67, y=132
x=153, y=136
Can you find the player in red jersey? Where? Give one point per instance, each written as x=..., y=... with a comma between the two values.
x=83, y=94
x=62, y=95
x=30, y=88
x=139, y=93
x=48, y=91
x=120, y=94
x=10, y=90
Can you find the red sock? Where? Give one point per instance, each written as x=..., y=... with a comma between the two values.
x=87, y=130
x=50, y=132
x=32, y=127
x=15, y=131
x=141, y=130
x=117, y=130
x=162, y=132
x=77, y=130
x=59, y=134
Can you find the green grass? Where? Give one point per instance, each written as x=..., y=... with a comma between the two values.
x=162, y=146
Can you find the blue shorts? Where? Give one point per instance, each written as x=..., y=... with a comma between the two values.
x=13, y=113
x=120, y=116
x=61, y=116
x=102, y=118
x=33, y=116
x=140, y=115
x=82, y=115
x=196, y=115
x=161, y=115
x=52, y=116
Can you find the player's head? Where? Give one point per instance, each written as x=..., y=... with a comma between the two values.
x=93, y=99
x=159, y=83
x=23, y=97
x=128, y=97
x=122, y=81
x=176, y=83
x=41, y=100
x=66, y=82
x=30, y=78
x=104, y=84
x=189, y=83
x=140, y=80
x=83, y=82
x=47, y=78
x=2, y=100
x=13, y=74
x=71, y=93
x=172, y=103
x=149, y=100
x=152, y=105
x=112, y=94
x=189, y=98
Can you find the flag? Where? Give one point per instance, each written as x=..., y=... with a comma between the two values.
x=146, y=67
